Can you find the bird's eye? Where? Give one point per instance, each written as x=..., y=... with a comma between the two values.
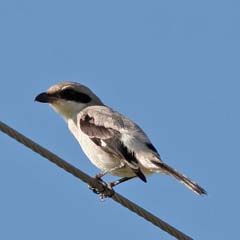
x=66, y=92
x=72, y=95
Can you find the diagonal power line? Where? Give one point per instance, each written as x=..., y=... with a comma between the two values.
x=100, y=187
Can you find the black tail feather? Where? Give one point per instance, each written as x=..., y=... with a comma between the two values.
x=183, y=179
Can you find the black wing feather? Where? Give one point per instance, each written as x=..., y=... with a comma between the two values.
x=131, y=158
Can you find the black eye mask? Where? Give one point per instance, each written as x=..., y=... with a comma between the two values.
x=72, y=95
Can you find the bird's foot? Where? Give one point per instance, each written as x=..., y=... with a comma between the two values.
x=105, y=189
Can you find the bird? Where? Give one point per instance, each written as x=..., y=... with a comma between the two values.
x=112, y=142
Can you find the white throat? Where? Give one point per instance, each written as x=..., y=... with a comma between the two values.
x=67, y=109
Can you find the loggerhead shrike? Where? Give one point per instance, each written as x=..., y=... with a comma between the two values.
x=112, y=142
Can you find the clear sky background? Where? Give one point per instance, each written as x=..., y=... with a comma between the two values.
x=172, y=66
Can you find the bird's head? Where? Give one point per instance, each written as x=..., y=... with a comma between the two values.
x=68, y=98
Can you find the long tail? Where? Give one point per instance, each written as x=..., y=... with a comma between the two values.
x=183, y=179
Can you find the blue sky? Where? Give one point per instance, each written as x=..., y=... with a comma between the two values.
x=172, y=66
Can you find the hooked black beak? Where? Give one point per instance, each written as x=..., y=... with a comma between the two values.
x=44, y=98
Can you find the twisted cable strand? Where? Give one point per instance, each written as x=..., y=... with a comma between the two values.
x=100, y=187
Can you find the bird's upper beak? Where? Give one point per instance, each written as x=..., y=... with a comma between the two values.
x=45, y=98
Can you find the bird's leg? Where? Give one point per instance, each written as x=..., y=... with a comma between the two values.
x=103, y=173
x=111, y=184
x=115, y=183
x=100, y=175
